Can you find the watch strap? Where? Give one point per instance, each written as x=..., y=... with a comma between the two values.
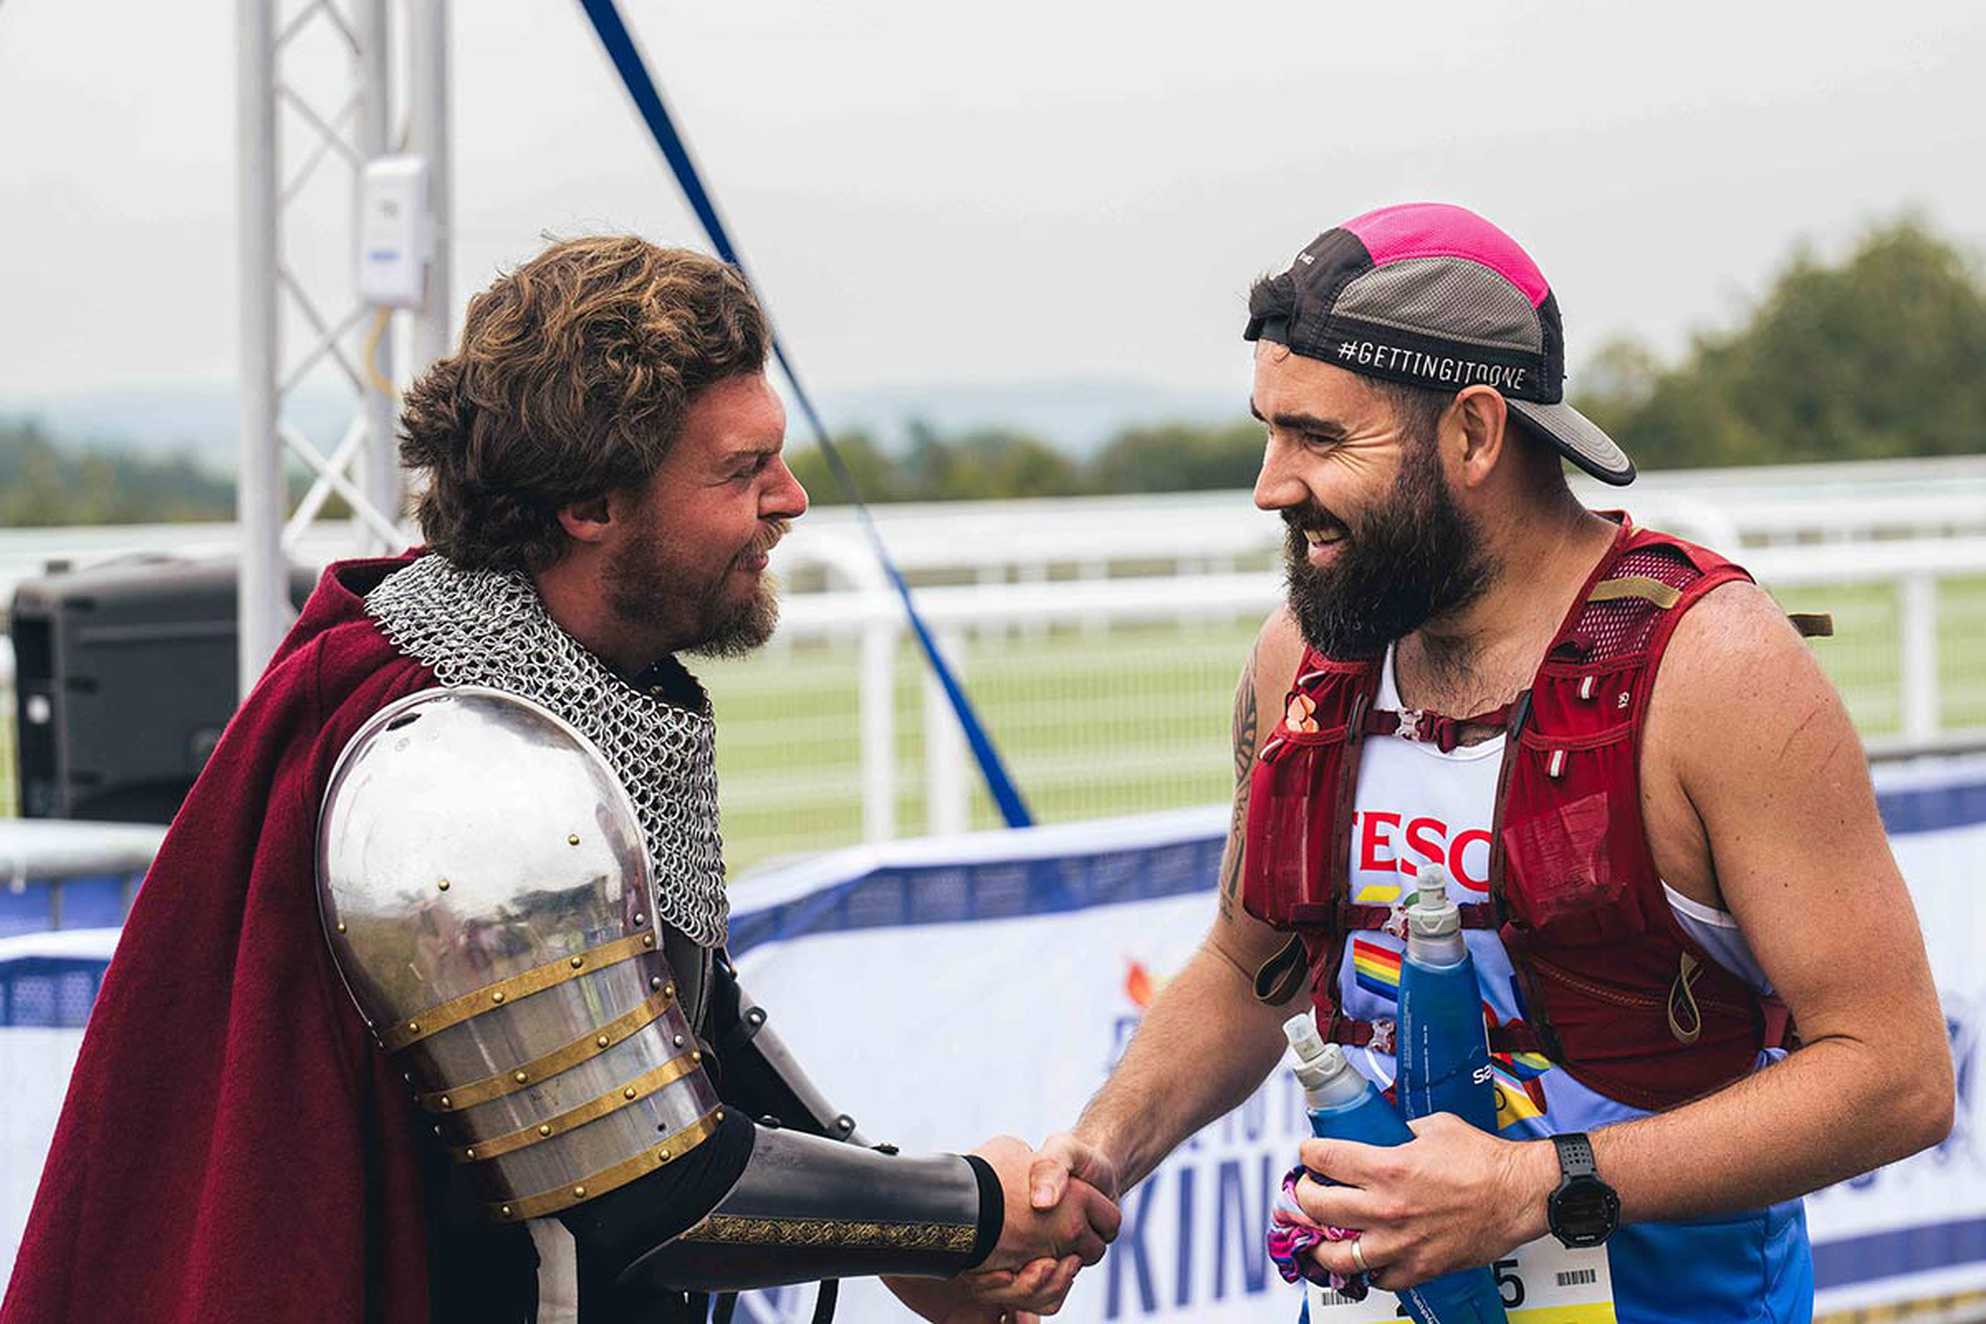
x=1575, y=1155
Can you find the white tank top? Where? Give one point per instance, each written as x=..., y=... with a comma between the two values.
x=1415, y=805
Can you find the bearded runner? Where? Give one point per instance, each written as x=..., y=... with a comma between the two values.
x=1656, y=818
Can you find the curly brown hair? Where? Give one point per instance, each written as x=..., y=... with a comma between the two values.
x=571, y=381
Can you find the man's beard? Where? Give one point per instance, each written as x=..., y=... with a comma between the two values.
x=1414, y=556
x=643, y=588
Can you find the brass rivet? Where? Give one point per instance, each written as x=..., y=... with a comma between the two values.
x=519, y=1077
x=662, y=1157
x=669, y=991
x=679, y=1041
x=639, y=920
x=497, y=996
x=572, y=840
x=545, y=1129
x=720, y=1114
x=443, y=884
x=602, y=1041
x=469, y=1152
x=444, y=1103
x=628, y=1093
x=647, y=940
x=413, y=1027
x=341, y=926
x=578, y=961
x=695, y=1055
x=506, y=1211
x=655, y=981
x=579, y=1192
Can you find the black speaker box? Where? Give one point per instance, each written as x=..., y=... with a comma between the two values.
x=124, y=676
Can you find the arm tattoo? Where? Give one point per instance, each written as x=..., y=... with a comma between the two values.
x=1245, y=726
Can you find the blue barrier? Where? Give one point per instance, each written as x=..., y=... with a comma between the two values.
x=49, y=992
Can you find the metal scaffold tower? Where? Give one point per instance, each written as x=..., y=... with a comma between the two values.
x=316, y=88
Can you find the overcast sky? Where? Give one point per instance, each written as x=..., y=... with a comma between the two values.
x=1024, y=192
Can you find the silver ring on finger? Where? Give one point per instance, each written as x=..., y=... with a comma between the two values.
x=1358, y=1258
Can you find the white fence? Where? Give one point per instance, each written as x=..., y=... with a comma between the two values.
x=1101, y=637
x=1909, y=571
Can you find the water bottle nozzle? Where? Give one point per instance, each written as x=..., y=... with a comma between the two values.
x=1430, y=913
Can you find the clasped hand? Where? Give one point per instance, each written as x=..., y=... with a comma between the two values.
x=1055, y=1224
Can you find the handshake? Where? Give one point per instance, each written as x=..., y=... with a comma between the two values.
x=1061, y=1212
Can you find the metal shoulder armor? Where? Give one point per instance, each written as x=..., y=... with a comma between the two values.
x=484, y=884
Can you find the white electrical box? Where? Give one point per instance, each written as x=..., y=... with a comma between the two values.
x=396, y=231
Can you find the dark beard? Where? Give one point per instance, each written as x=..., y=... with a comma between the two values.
x=744, y=628
x=1415, y=556
x=643, y=588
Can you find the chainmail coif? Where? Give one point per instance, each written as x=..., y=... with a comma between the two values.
x=488, y=627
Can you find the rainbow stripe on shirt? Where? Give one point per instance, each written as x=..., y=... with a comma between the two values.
x=1517, y=1099
x=1523, y=1066
x=1376, y=968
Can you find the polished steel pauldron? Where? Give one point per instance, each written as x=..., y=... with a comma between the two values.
x=484, y=881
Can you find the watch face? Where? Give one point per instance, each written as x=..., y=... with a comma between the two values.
x=1586, y=1206
x=1584, y=1212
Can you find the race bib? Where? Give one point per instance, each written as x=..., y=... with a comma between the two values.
x=1542, y=1283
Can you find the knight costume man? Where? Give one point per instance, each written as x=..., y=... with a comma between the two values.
x=522, y=882
x=554, y=1100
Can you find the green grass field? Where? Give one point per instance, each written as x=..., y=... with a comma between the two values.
x=1095, y=723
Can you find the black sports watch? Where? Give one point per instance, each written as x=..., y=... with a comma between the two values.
x=1583, y=1211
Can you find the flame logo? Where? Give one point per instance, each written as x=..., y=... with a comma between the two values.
x=1141, y=985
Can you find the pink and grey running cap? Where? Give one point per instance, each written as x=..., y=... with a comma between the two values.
x=1435, y=296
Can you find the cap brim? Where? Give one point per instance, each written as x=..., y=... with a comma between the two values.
x=1578, y=438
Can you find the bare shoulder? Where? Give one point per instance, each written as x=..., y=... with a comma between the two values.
x=1749, y=761
x=1740, y=694
x=1733, y=649
x=1278, y=651
x=1734, y=624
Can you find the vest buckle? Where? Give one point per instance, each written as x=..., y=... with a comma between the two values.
x=1410, y=724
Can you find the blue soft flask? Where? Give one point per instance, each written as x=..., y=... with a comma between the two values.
x=1343, y=1105
x=1444, y=1052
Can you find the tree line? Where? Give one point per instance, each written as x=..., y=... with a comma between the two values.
x=46, y=482
x=1878, y=354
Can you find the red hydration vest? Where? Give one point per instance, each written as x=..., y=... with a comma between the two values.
x=1614, y=990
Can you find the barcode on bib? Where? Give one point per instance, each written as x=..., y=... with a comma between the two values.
x=1330, y=1298
x=1577, y=1277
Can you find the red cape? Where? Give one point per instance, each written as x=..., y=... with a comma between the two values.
x=233, y=1146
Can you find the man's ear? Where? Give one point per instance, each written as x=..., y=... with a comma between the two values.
x=1484, y=419
x=588, y=521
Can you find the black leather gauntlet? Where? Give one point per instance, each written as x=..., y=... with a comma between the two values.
x=807, y=1208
